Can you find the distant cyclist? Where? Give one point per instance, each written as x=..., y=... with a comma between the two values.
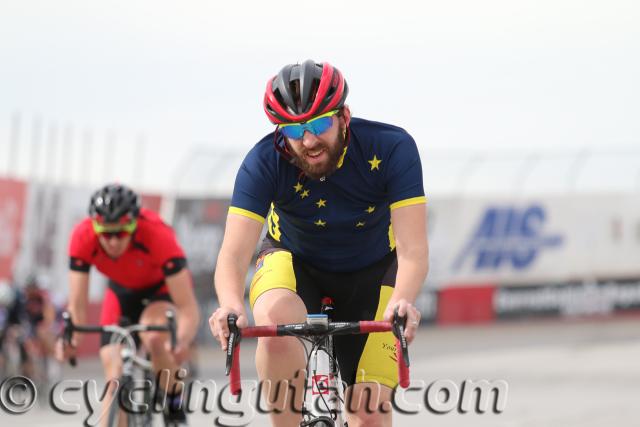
x=345, y=209
x=10, y=319
x=147, y=273
x=40, y=313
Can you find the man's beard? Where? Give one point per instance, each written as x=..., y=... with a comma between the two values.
x=326, y=169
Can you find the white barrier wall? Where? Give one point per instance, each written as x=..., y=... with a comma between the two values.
x=539, y=240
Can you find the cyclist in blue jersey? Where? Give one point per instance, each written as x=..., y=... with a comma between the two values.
x=344, y=205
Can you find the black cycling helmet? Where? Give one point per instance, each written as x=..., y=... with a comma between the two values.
x=301, y=91
x=114, y=203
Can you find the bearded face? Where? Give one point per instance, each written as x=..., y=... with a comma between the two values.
x=318, y=155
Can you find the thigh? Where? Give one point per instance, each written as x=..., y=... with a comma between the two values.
x=110, y=314
x=278, y=269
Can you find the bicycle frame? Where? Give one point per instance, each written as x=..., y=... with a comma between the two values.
x=326, y=376
x=130, y=359
x=323, y=392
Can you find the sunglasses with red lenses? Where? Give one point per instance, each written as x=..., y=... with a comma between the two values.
x=117, y=234
x=114, y=230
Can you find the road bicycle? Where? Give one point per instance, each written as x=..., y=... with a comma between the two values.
x=323, y=388
x=130, y=401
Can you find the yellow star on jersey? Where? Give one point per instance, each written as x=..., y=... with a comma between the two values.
x=370, y=209
x=304, y=194
x=360, y=224
x=321, y=203
x=375, y=163
x=320, y=223
x=297, y=187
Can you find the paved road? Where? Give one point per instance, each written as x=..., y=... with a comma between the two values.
x=559, y=373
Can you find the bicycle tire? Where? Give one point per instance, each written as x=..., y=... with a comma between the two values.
x=134, y=419
x=320, y=422
x=116, y=410
x=139, y=420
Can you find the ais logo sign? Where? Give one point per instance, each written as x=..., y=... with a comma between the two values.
x=508, y=236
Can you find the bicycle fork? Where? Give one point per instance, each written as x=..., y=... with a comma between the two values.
x=324, y=391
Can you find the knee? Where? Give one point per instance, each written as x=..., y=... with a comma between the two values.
x=271, y=316
x=368, y=404
x=154, y=342
x=367, y=419
x=284, y=310
x=278, y=347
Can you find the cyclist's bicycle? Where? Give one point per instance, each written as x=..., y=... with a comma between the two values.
x=323, y=392
x=135, y=403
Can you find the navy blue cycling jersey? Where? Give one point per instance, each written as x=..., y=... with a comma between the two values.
x=343, y=222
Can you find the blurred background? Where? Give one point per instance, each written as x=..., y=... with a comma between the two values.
x=525, y=114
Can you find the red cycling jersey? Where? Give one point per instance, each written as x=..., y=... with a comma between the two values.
x=152, y=255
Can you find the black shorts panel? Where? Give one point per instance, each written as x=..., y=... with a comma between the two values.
x=131, y=304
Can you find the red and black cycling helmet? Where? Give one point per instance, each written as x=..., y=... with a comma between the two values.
x=114, y=203
x=301, y=91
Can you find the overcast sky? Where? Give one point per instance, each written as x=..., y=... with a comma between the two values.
x=457, y=74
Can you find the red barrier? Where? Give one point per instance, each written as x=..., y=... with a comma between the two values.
x=12, y=205
x=466, y=304
x=152, y=202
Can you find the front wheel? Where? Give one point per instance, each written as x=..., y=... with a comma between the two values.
x=319, y=422
x=133, y=416
x=114, y=412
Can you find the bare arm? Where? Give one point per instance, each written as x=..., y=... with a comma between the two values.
x=240, y=239
x=410, y=231
x=78, y=297
x=181, y=292
x=77, y=308
x=49, y=313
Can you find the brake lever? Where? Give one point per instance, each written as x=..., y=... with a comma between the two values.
x=399, y=324
x=67, y=334
x=171, y=323
x=233, y=340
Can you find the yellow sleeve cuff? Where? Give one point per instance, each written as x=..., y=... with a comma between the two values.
x=408, y=202
x=248, y=214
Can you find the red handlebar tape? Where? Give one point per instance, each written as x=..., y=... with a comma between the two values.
x=367, y=326
x=234, y=375
x=403, y=369
x=260, y=331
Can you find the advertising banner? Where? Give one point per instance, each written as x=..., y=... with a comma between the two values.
x=537, y=240
x=567, y=299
